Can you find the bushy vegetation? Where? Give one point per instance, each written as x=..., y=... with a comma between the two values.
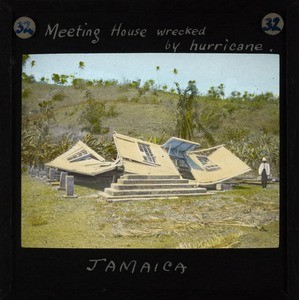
x=251, y=147
x=92, y=116
x=55, y=115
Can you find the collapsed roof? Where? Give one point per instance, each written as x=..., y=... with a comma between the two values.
x=207, y=166
x=83, y=160
x=214, y=165
x=176, y=147
x=143, y=157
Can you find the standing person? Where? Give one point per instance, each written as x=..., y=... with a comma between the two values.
x=264, y=171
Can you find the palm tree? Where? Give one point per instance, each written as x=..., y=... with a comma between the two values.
x=186, y=111
x=187, y=114
x=157, y=70
x=175, y=73
x=81, y=65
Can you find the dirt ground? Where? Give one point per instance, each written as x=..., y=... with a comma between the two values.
x=245, y=217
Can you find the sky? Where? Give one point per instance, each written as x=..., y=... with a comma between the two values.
x=255, y=73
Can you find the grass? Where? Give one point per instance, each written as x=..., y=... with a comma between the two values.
x=156, y=111
x=246, y=216
x=240, y=218
x=224, y=241
x=153, y=115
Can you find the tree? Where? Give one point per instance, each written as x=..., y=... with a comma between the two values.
x=37, y=141
x=63, y=79
x=60, y=79
x=148, y=85
x=81, y=65
x=92, y=117
x=247, y=96
x=94, y=113
x=235, y=95
x=220, y=89
x=157, y=70
x=25, y=58
x=265, y=97
x=175, y=72
x=25, y=77
x=216, y=93
x=44, y=79
x=56, y=78
x=151, y=83
x=186, y=111
x=188, y=118
x=47, y=109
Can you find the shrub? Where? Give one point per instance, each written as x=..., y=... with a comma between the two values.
x=252, y=147
x=112, y=111
x=105, y=148
x=122, y=99
x=216, y=93
x=58, y=97
x=110, y=82
x=98, y=82
x=93, y=114
x=28, y=78
x=78, y=83
x=135, y=99
x=26, y=92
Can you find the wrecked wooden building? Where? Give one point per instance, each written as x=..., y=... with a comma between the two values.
x=178, y=167
x=88, y=167
x=206, y=166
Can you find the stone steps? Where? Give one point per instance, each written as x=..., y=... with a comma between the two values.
x=148, y=187
x=142, y=192
x=155, y=177
x=147, y=197
x=153, y=186
x=150, y=181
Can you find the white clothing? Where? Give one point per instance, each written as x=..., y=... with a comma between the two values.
x=264, y=166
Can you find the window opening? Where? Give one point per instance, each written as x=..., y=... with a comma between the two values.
x=79, y=156
x=147, y=153
x=207, y=164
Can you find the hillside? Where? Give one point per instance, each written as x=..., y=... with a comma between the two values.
x=151, y=114
x=146, y=116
